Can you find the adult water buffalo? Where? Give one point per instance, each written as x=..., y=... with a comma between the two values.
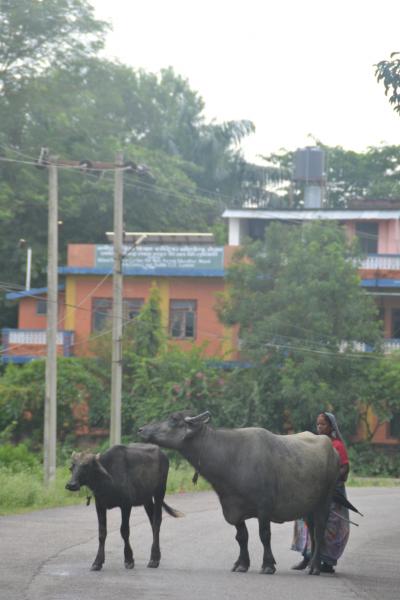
x=257, y=474
x=125, y=476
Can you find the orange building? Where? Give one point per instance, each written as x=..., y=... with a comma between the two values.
x=188, y=270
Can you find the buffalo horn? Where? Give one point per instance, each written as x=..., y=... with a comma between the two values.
x=205, y=416
x=100, y=466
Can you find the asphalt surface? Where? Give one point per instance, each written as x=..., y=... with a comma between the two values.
x=46, y=555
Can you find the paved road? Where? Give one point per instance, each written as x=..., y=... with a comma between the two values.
x=46, y=555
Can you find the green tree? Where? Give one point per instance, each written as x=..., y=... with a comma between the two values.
x=299, y=306
x=379, y=393
x=159, y=378
x=353, y=178
x=148, y=335
x=22, y=391
x=34, y=35
x=388, y=72
x=82, y=107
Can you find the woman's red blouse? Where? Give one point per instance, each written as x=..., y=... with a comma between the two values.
x=341, y=450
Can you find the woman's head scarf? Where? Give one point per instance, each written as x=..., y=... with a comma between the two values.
x=335, y=429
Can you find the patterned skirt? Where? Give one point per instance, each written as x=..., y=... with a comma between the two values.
x=335, y=539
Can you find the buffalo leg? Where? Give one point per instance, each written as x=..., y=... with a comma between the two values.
x=154, y=513
x=242, y=537
x=125, y=531
x=309, y=520
x=318, y=531
x=264, y=529
x=102, y=520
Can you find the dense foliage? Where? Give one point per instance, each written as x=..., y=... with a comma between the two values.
x=283, y=388
x=352, y=178
x=388, y=72
x=296, y=296
x=22, y=392
x=299, y=306
x=57, y=92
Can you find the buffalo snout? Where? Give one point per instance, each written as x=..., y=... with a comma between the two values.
x=145, y=432
x=72, y=486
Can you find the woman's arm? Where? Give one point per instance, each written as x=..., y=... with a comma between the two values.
x=344, y=471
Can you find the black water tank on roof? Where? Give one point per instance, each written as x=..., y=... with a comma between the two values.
x=309, y=164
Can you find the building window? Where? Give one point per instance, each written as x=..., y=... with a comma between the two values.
x=367, y=234
x=395, y=323
x=182, y=319
x=41, y=307
x=102, y=311
x=257, y=229
x=394, y=425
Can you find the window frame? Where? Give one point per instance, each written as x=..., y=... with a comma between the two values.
x=395, y=319
x=40, y=302
x=394, y=426
x=367, y=238
x=179, y=315
x=129, y=305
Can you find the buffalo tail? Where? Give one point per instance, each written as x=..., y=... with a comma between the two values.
x=341, y=499
x=172, y=511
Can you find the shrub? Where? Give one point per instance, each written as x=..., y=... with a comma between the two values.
x=18, y=458
x=22, y=392
x=369, y=460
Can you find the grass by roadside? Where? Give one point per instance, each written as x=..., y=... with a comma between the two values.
x=24, y=490
x=355, y=481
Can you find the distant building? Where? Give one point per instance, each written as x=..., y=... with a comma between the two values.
x=187, y=268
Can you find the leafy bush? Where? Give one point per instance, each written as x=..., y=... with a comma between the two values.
x=369, y=460
x=22, y=392
x=18, y=458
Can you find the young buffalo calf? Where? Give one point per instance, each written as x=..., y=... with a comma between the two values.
x=125, y=476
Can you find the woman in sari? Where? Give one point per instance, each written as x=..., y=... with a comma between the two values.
x=337, y=527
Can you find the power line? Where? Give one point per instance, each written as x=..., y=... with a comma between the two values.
x=97, y=167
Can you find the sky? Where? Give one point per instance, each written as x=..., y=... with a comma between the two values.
x=299, y=69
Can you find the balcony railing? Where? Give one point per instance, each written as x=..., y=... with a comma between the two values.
x=389, y=345
x=23, y=345
x=386, y=262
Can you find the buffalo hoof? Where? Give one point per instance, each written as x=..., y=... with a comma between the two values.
x=129, y=565
x=325, y=568
x=96, y=567
x=240, y=568
x=314, y=571
x=268, y=570
x=153, y=564
x=303, y=564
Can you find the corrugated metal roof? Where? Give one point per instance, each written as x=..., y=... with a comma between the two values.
x=313, y=215
x=34, y=292
x=137, y=271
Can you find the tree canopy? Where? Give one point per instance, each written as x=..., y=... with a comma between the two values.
x=388, y=72
x=56, y=91
x=352, y=177
x=300, y=310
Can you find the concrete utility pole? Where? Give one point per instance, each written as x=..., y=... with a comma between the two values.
x=116, y=369
x=50, y=404
x=50, y=424
x=28, y=268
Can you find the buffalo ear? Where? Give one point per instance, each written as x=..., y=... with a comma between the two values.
x=202, y=419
